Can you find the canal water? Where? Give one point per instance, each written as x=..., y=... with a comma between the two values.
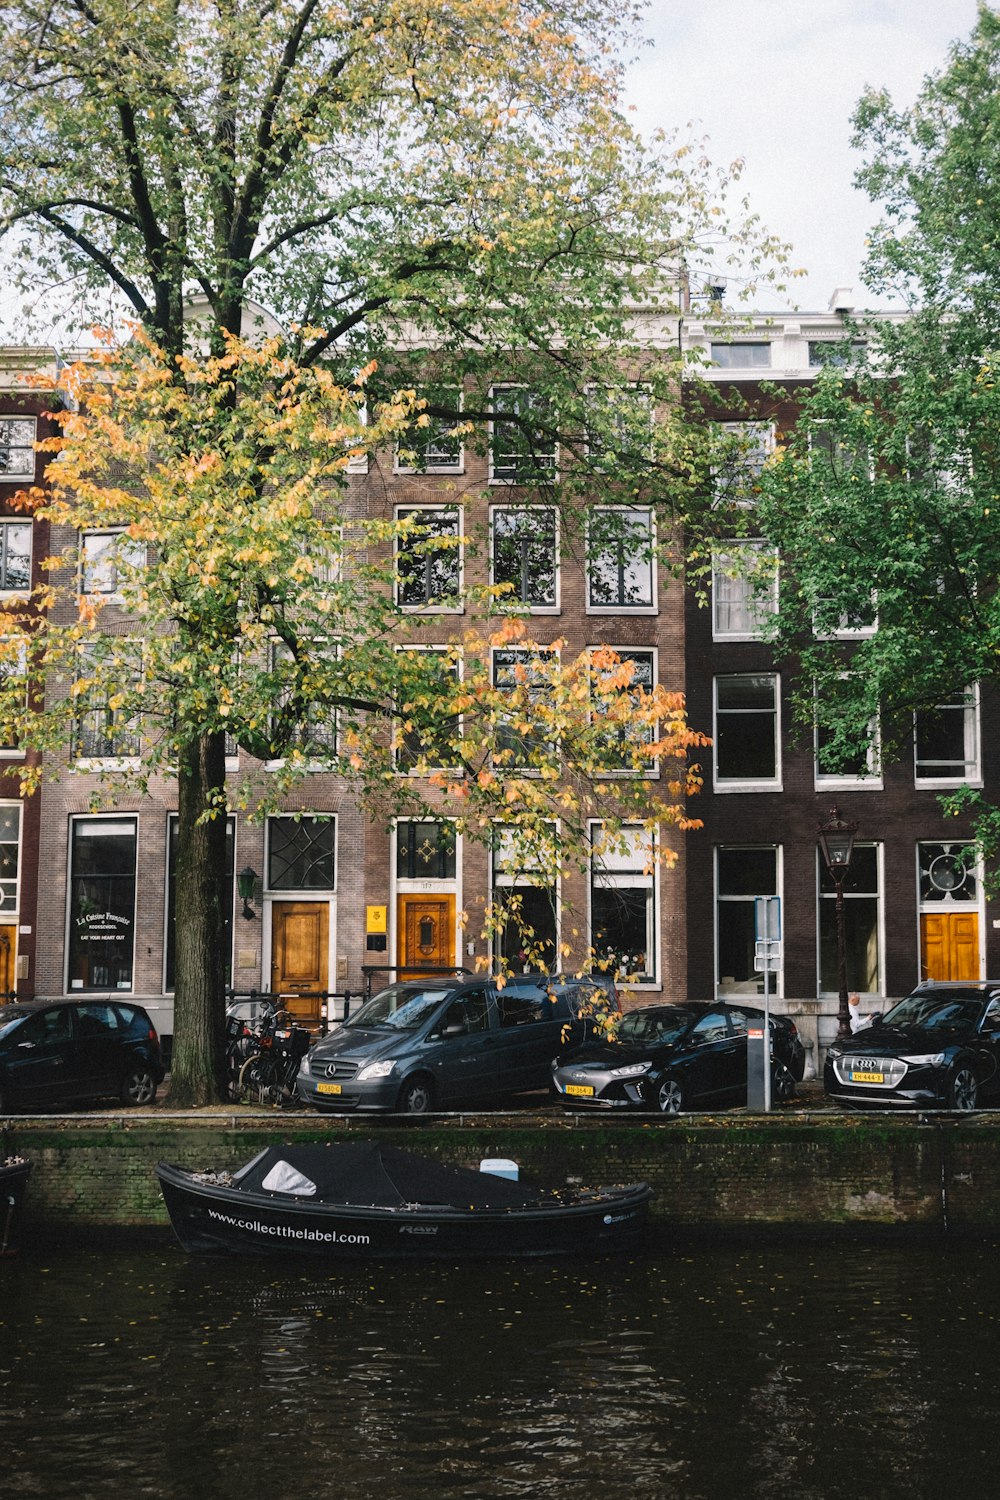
x=697, y=1372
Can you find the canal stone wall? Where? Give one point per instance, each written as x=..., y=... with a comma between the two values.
x=807, y=1174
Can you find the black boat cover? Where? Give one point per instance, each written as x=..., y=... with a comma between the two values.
x=370, y=1175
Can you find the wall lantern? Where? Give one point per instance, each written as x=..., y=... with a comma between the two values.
x=246, y=884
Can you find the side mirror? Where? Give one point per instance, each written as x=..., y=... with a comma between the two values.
x=457, y=1028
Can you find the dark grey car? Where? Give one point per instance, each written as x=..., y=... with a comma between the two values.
x=421, y=1044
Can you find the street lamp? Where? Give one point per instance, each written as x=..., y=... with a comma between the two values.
x=246, y=882
x=836, y=839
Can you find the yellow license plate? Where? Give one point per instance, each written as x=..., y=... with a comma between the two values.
x=868, y=1078
x=581, y=1090
x=328, y=1088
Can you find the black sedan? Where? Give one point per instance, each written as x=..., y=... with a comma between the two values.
x=675, y=1057
x=937, y=1049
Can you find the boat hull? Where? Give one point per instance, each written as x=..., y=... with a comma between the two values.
x=13, y=1182
x=207, y=1218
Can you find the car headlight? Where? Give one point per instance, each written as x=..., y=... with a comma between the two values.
x=924, y=1059
x=631, y=1070
x=304, y=1064
x=377, y=1069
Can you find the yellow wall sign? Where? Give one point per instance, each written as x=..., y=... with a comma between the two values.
x=376, y=918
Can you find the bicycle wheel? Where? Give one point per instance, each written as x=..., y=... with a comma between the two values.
x=258, y=1082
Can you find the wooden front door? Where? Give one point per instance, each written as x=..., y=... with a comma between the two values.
x=300, y=956
x=949, y=945
x=8, y=954
x=426, y=934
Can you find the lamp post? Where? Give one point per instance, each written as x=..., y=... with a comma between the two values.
x=836, y=839
x=246, y=882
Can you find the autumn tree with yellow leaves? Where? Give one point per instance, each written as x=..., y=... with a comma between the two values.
x=405, y=188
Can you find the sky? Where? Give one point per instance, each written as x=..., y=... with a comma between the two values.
x=775, y=82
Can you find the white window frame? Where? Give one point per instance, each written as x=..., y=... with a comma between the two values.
x=84, y=762
x=727, y=784
x=972, y=772
x=616, y=608
x=458, y=553
x=409, y=884
x=727, y=577
x=845, y=631
x=509, y=600
x=436, y=649
x=7, y=525
x=527, y=654
x=734, y=363
x=301, y=892
x=18, y=669
x=756, y=441
x=615, y=874
x=778, y=978
x=15, y=440
x=870, y=783
x=114, y=546
x=430, y=466
x=275, y=648
x=91, y=820
x=837, y=451
x=638, y=391
x=10, y=913
x=849, y=896
x=652, y=767
x=503, y=879
x=548, y=463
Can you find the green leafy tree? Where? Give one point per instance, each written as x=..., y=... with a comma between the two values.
x=883, y=502
x=386, y=179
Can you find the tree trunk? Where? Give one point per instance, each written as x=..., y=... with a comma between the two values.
x=199, y=999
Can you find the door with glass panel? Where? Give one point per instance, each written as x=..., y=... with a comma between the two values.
x=949, y=893
x=426, y=934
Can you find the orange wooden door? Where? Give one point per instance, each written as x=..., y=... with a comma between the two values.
x=949, y=945
x=300, y=956
x=8, y=951
x=426, y=934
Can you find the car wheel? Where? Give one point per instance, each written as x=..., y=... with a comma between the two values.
x=669, y=1097
x=963, y=1090
x=782, y=1084
x=416, y=1097
x=138, y=1087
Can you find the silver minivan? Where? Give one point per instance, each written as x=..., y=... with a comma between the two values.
x=425, y=1044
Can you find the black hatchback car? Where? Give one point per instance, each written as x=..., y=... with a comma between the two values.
x=67, y=1051
x=676, y=1057
x=937, y=1049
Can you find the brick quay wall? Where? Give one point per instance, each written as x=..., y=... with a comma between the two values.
x=737, y=1173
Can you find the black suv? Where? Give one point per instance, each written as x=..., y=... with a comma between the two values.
x=67, y=1051
x=937, y=1049
x=429, y=1042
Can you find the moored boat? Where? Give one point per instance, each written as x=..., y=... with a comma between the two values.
x=14, y=1174
x=363, y=1199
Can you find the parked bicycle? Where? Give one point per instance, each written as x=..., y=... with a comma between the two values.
x=267, y=1075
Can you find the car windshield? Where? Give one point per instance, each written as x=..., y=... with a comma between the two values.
x=399, y=1007
x=9, y=1018
x=655, y=1025
x=945, y=1013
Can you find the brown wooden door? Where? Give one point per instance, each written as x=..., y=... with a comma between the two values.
x=300, y=953
x=426, y=934
x=8, y=952
x=949, y=945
